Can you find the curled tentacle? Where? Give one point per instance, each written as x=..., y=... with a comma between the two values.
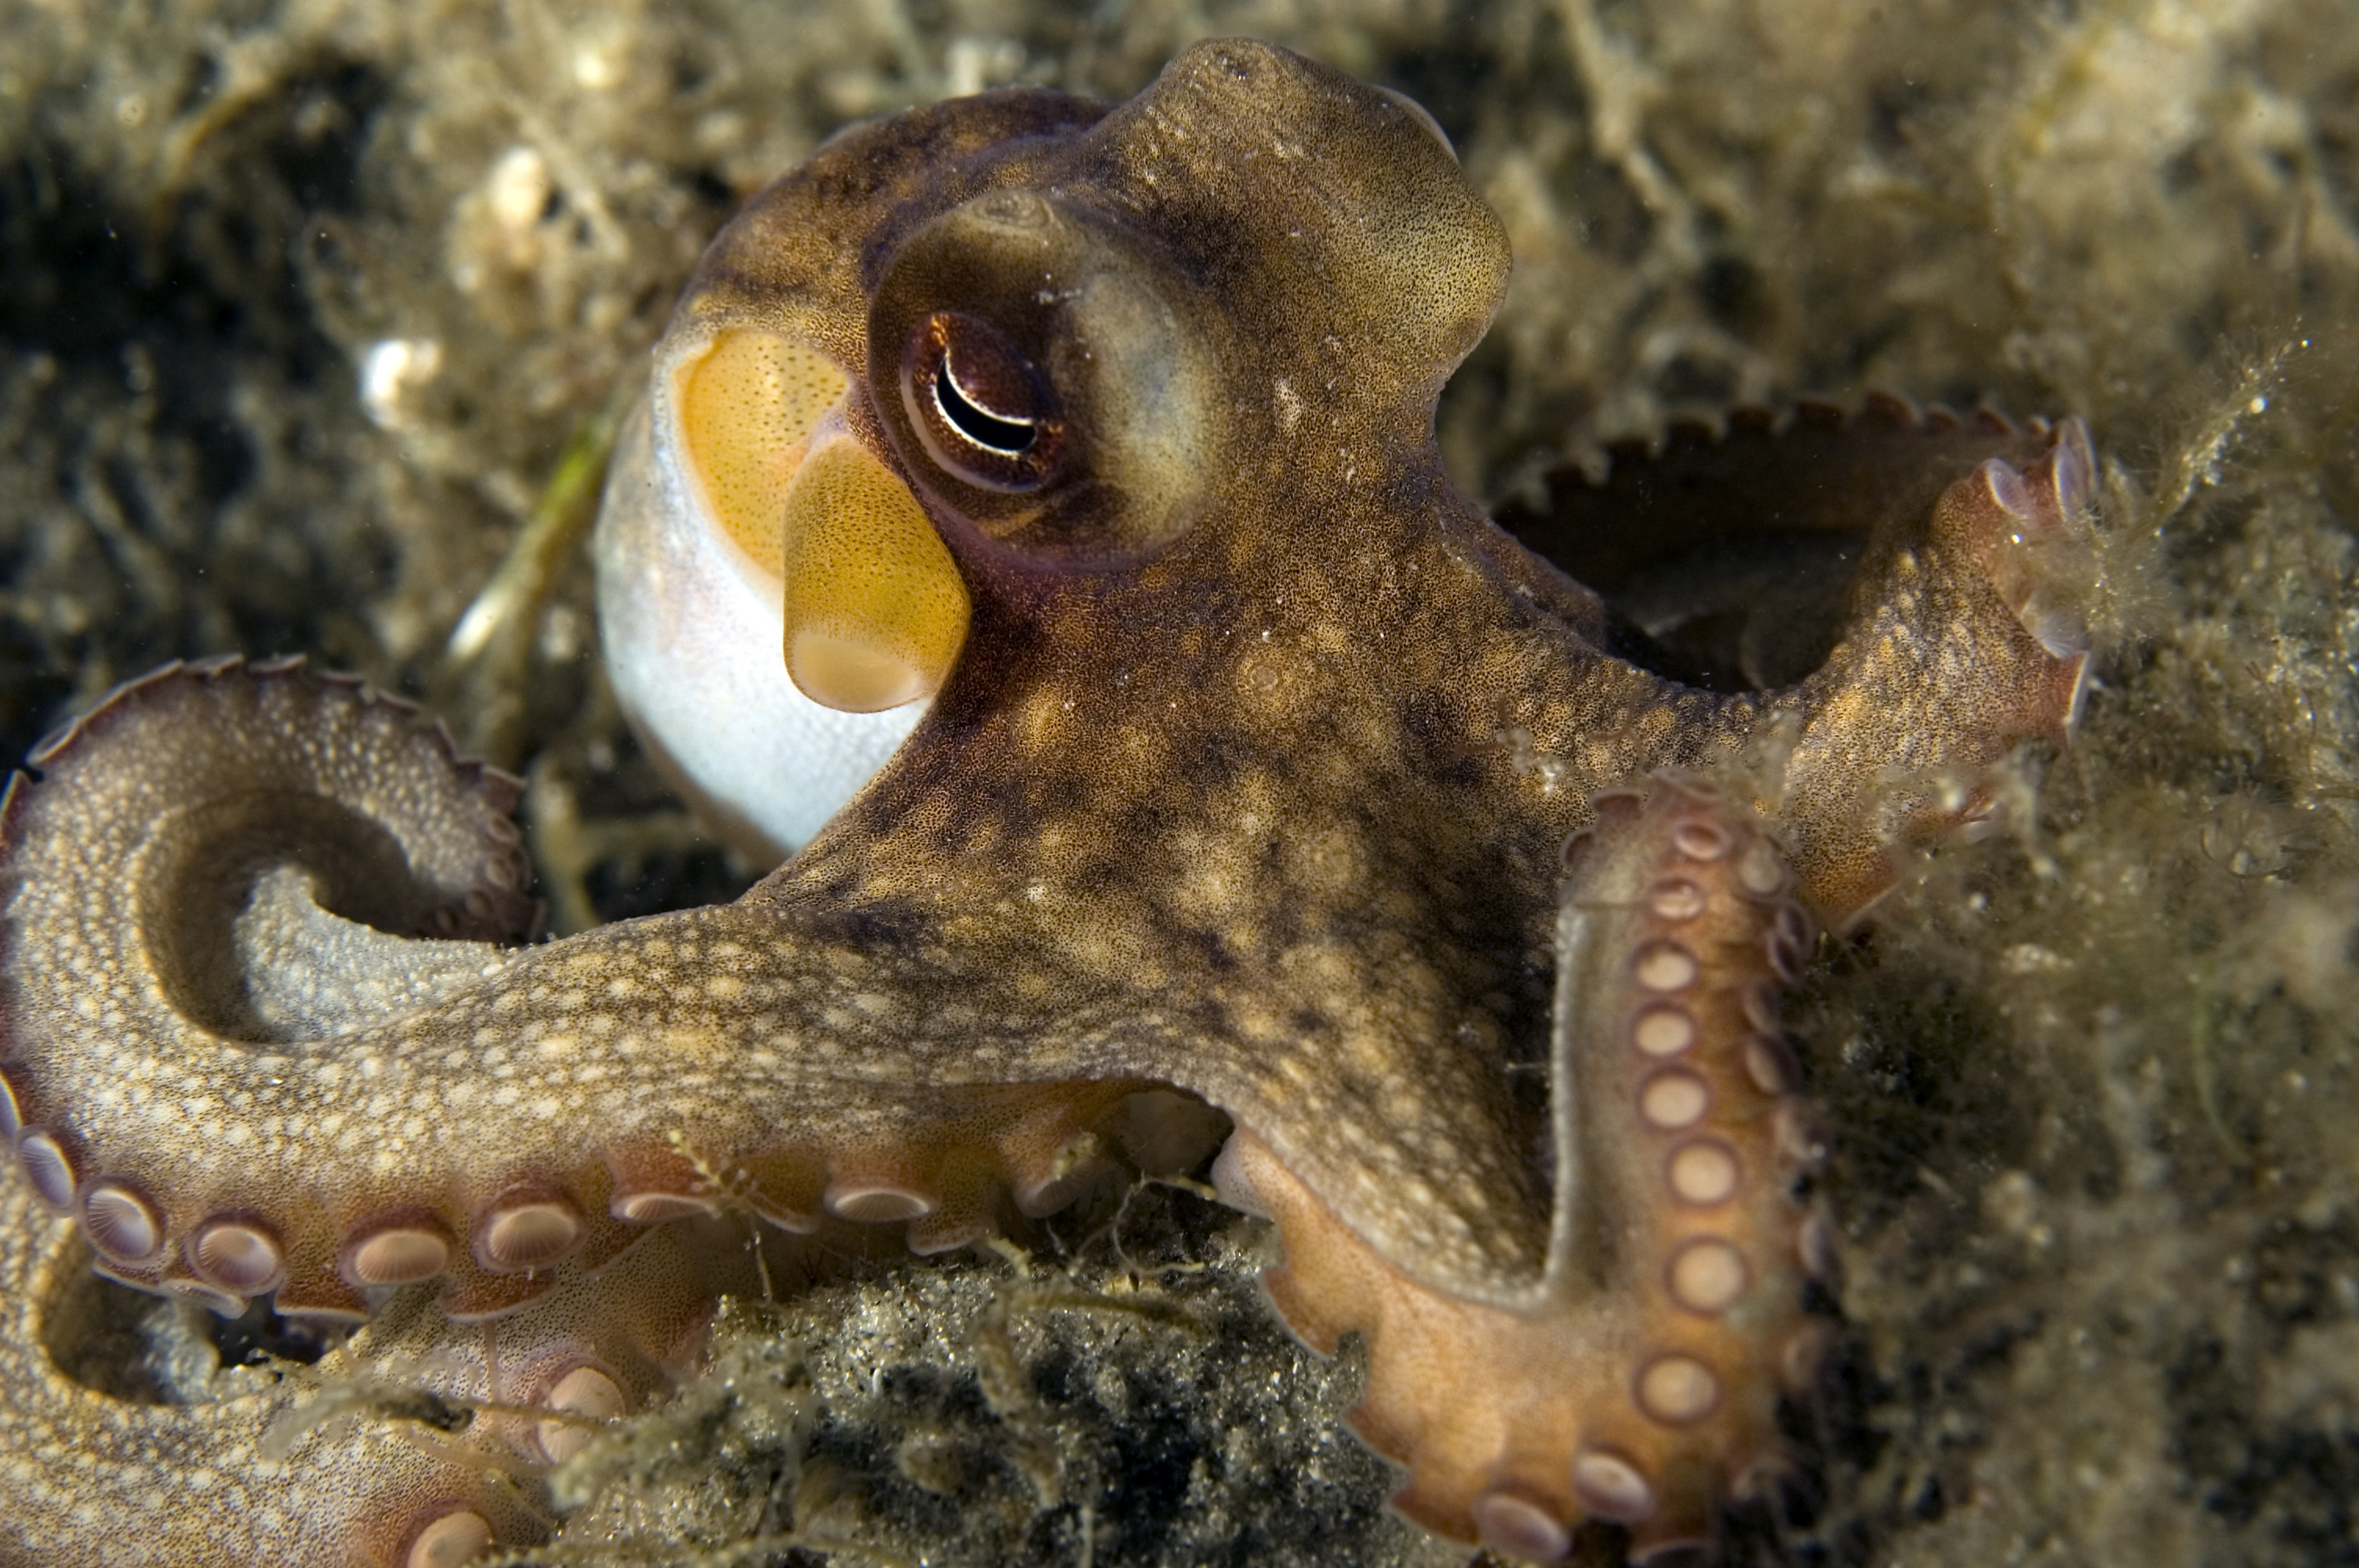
x=1906, y=594
x=456, y=1108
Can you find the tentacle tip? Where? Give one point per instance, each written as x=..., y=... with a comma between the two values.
x=2033, y=531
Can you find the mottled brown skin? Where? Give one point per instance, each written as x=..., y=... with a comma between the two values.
x=1251, y=779
x=1640, y=1383
x=1294, y=723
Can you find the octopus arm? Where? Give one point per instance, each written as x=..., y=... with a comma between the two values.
x=470, y=1111
x=352, y=1460
x=1640, y=1384
x=1971, y=636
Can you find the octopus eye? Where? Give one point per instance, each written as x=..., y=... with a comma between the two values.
x=979, y=407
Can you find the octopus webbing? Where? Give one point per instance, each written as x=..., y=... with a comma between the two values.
x=1252, y=755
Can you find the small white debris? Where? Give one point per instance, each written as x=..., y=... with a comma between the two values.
x=518, y=190
x=390, y=370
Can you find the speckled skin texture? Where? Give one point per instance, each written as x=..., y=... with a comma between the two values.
x=1271, y=815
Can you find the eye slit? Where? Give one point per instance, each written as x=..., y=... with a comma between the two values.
x=1011, y=437
x=979, y=408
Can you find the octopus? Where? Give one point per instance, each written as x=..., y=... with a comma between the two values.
x=1241, y=793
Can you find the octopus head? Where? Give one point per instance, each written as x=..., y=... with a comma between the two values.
x=964, y=357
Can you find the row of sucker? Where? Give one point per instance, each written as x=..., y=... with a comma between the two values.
x=1035, y=1148
x=291, y=1466
x=1705, y=1090
x=1639, y=1385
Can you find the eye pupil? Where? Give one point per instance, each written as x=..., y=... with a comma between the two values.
x=982, y=409
x=1011, y=437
